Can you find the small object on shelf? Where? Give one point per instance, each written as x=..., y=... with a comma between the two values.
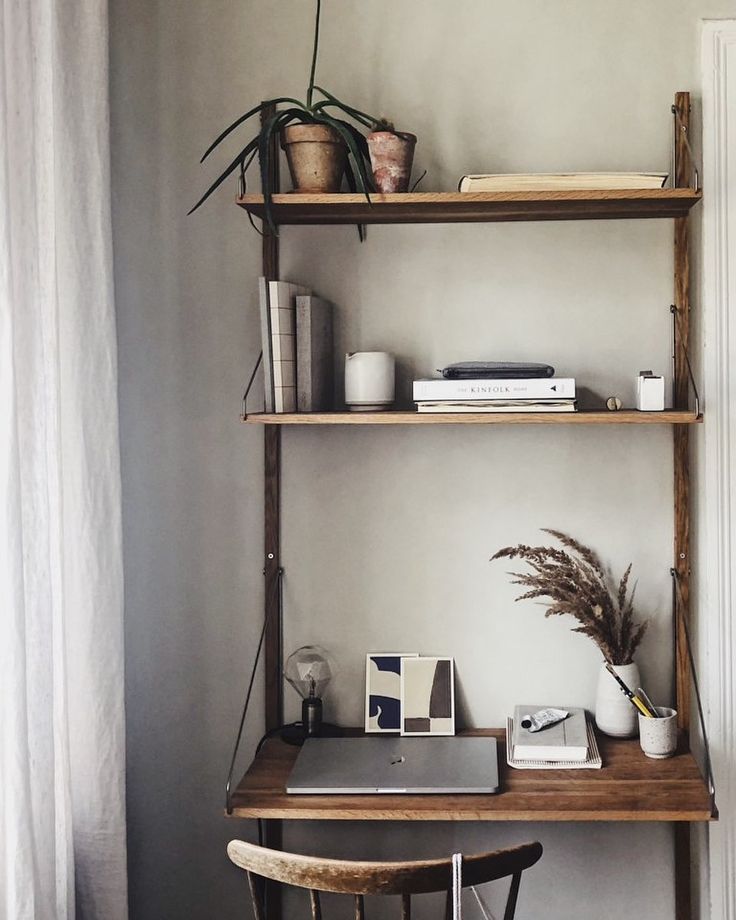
x=649, y=392
x=614, y=714
x=497, y=405
x=647, y=702
x=548, y=182
x=427, y=696
x=314, y=354
x=543, y=718
x=658, y=737
x=564, y=741
x=490, y=388
x=383, y=690
x=266, y=345
x=613, y=403
x=316, y=156
x=282, y=322
x=309, y=670
x=593, y=761
x=391, y=155
x=370, y=380
x=491, y=370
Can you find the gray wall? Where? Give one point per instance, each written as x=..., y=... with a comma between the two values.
x=387, y=533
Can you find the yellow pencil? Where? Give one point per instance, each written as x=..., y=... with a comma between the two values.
x=641, y=707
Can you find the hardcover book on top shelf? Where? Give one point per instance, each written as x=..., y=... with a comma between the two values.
x=549, y=182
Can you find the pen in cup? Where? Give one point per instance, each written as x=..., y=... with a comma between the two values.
x=632, y=698
x=647, y=702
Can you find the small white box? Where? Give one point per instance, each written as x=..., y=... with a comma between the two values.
x=649, y=392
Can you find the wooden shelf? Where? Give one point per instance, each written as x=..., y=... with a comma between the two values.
x=457, y=207
x=623, y=417
x=630, y=787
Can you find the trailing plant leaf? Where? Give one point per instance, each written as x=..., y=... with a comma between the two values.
x=363, y=117
x=240, y=158
x=249, y=114
x=577, y=585
x=360, y=172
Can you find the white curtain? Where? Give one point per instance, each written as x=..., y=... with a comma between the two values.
x=62, y=814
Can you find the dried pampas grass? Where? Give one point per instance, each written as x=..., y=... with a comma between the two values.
x=577, y=584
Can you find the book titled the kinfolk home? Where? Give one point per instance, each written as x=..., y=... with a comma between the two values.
x=481, y=389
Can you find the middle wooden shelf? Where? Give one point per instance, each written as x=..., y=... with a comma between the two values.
x=409, y=417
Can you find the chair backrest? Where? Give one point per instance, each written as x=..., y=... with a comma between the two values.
x=361, y=878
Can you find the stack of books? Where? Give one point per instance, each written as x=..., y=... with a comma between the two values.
x=550, y=182
x=296, y=337
x=567, y=745
x=532, y=394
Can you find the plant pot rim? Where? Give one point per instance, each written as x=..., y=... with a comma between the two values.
x=310, y=134
x=404, y=135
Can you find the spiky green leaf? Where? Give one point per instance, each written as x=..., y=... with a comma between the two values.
x=245, y=117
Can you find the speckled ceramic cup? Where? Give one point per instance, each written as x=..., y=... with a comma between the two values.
x=658, y=737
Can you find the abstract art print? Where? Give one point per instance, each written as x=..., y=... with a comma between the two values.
x=383, y=690
x=427, y=696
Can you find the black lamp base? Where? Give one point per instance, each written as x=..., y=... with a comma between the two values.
x=294, y=733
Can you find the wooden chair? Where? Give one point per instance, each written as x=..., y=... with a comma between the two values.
x=361, y=878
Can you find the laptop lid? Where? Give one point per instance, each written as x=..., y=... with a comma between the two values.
x=395, y=765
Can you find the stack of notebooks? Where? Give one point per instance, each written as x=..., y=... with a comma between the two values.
x=296, y=338
x=566, y=745
x=532, y=394
x=550, y=182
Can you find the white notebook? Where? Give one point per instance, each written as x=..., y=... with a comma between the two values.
x=592, y=762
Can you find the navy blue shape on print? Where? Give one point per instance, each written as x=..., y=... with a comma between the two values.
x=387, y=663
x=387, y=708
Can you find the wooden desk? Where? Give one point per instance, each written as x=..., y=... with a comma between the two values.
x=630, y=787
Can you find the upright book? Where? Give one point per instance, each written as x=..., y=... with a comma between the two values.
x=267, y=358
x=466, y=390
x=563, y=741
x=314, y=354
x=282, y=317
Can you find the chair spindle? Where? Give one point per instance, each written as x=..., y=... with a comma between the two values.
x=510, y=911
x=316, y=906
x=359, y=907
x=405, y=906
x=256, y=885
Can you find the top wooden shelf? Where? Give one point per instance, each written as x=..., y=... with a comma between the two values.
x=470, y=207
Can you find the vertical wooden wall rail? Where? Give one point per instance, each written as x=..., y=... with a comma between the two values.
x=683, y=171
x=273, y=659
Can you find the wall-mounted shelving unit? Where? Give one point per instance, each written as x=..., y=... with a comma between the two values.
x=629, y=788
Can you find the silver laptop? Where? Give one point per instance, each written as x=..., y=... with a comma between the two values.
x=394, y=765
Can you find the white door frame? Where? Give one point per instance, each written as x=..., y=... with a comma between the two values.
x=717, y=467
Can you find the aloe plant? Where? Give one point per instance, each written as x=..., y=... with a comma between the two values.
x=315, y=111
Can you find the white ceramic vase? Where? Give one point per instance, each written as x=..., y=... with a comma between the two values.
x=614, y=713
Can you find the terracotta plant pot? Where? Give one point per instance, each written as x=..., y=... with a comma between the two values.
x=392, y=156
x=316, y=155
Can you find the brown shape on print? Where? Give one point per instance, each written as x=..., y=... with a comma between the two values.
x=416, y=725
x=439, y=701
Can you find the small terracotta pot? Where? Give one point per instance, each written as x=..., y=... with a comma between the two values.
x=392, y=155
x=316, y=155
